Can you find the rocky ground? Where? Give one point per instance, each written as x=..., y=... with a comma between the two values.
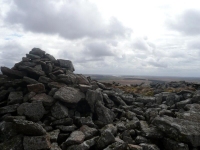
x=44, y=105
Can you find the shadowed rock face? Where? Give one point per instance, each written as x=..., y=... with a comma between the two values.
x=45, y=105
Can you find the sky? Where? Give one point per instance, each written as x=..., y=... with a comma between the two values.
x=116, y=37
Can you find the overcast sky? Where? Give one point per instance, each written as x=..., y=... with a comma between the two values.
x=118, y=37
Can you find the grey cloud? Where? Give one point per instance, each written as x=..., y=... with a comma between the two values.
x=143, y=44
x=187, y=23
x=11, y=53
x=157, y=63
x=194, y=45
x=97, y=49
x=72, y=20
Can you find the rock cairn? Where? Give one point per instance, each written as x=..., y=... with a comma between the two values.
x=45, y=106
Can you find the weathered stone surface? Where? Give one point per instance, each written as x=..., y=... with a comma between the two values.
x=81, y=79
x=149, y=146
x=3, y=95
x=178, y=129
x=15, y=97
x=54, y=135
x=32, y=56
x=134, y=147
x=54, y=146
x=145, y=99
x=43, y=79
x=12, y=73
x=75, y=137
x=33, y=111
x=88, y=131
x=85, y=121
x=56, y=85
x=37, y=51
x=36, y=142
x=59, y=111
x=106, y=139
x=66, y=64
x=66, y=128
x=69, y=95
x=8, y=109
x=29, y=80
x=7, y=131
x=45, y=99
x=29, y=128
x=64, y=121
x=37, y=88
x=14, y=143
x=50, y=57
x=28, y=96
x=173, y=145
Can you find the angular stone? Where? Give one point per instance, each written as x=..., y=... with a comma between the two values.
x=14, y=143
x=56, y=85
x=66, y=128
x=178, y=129
x=28, y=96
x=173, y=145
x=118, y=100
x=12, y=73
x=8, y=109
x=106, y=139
x=29, y=128
x=37, y=51
x=43, y=79
x=34, y=73
x=68, y=78
x=149, y=146
x=181, y=104
x=15, y=97
x=3, y=94
x=59, y=111
x=128, y=98
x=37, y=88
x=75, y=137
x=66, y=64
x=81, y=79
x=46, y=99
x=54, y=135
x=7, y=131
x=145, y=99
x=36, y=142
x=88, y=131
x=134, y=147
x=85, y=121
x=54, y=146
x=50, y=57
x=64, y=121
x=47, y=68
x=34, y=111
x=84, y=88
x=29, y=80
x=69, y=95
x=32, y=56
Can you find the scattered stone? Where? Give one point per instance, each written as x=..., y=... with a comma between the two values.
x=59, y=111
x=45, y=99
x=37, y=88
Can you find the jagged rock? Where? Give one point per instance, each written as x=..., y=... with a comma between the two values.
x=36, y=142
x=85, y=121
x=106, y=139
x=54, y=135
x=28, y=96
x=9, y=109
x=34, y=111
x=179, y=129
x=59, y=111
x=29, y=128
x=88, y=131
x=118, y=100
x=50, y=57
x=69, y=95
x=12, y=73
x=145, y=99
x=56, y=85
x=196, y=97
x=32, y=56
x=75, y=137
x=7, y=131
x=43, y=79
x=45, y=99
x=149, y=146
x=117, y=146
x=66, y=128
x=37, y=88
x=3, y=95
x=14, y=143
x=81, y=79
x=134, y=147
x=66, y=64
x=54, y=146
x=64, y=121
x=173, y=145
x=15, y=97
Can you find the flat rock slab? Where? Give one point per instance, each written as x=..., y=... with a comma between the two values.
x=179, y=129
x=75, y=137
x=9, y=109
x=34, y=111
x=29, y=128
x=36, y=142
x=37, y=51
x=46, y=99
x=12, y=73
x=69, y=95
x=37, y=88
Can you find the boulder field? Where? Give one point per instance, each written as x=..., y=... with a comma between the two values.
x=45, y=106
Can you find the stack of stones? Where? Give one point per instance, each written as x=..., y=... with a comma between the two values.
x=45, y=106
